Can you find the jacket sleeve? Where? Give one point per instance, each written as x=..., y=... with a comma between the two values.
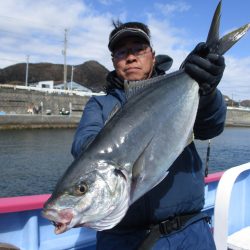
x=211, y=116
x=90, y=125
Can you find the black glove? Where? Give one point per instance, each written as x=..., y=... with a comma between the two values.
x=205, y=67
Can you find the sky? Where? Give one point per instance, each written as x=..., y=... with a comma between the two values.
x=35, y=30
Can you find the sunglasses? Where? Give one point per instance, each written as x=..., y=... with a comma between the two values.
x=136, y=49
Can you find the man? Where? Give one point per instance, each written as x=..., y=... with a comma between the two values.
x=173, y=206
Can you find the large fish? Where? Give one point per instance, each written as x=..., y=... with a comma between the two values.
x=134, y=150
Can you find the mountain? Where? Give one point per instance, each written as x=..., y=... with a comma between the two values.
x=245, y=103
x=90, y=74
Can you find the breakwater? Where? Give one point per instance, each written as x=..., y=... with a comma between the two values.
x=38, y=121
x=21, y=101
x=238, y=117
x=18, y=106
x=235, y=118
x=21, y=108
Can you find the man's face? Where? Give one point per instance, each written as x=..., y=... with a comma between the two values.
x=133, y=60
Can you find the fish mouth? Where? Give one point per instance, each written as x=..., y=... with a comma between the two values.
x=60, y=219
x=60, y=227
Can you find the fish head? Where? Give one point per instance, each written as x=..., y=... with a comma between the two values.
x=97, y=199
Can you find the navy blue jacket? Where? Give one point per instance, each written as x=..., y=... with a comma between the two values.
x=182, y=191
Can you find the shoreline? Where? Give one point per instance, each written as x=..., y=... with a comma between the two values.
x=239, y=125
x=8, y=122
x=17, y=110
x=38, y=121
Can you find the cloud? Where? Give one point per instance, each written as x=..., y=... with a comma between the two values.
x=170, y=9
x=36, y=28
x=172, y=41
x=175, y=42
x=109, y=2
x=236, y=80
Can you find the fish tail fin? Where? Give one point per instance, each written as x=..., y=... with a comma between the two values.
x=222, y=45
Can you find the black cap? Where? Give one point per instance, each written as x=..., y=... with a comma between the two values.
x=125, y=31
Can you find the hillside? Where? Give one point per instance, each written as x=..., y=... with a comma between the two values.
x=90, y=74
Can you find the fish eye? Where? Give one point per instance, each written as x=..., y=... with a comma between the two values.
x=81, y=188
x=120, y=173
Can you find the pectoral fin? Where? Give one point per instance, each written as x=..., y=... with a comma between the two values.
x=138, y=172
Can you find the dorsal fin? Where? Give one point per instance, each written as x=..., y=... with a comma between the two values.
x=133, y=88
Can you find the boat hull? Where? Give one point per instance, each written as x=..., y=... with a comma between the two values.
x=22, y=225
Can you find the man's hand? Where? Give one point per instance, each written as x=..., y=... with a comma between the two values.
x=204, y=67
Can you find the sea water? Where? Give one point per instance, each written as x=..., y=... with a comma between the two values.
x=31, y=161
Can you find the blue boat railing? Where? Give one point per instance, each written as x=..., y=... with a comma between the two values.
x=22, y=225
